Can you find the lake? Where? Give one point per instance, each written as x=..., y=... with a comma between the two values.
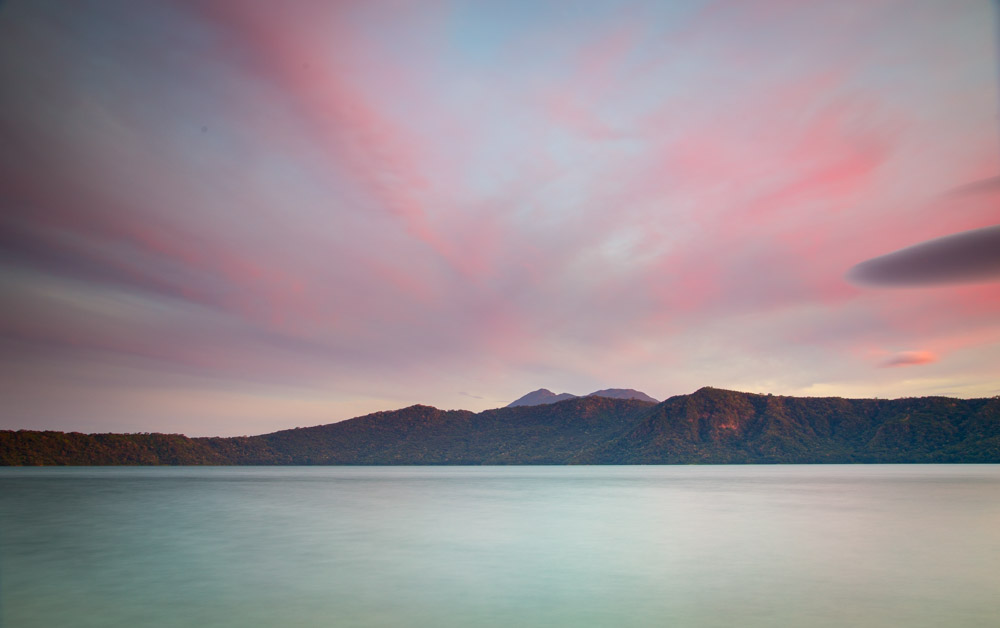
x=824, y=545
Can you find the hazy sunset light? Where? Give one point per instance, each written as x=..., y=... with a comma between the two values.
x=236, y=217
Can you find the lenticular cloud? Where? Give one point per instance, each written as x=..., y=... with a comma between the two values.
x=966, y=257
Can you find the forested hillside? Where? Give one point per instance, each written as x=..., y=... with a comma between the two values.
x=709, y=426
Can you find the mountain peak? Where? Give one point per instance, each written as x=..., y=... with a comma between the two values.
x=623, y=393
x=540, y=397
x=545, y=396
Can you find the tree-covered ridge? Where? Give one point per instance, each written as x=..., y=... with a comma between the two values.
x=30, y=448
x=708, y=426
x=723, y=426
x=549, y=434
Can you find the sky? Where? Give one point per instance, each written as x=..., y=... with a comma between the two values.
x=225, y=218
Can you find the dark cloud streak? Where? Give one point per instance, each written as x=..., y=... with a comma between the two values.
x=105, y=261
x=983, y=186
x=967, y=257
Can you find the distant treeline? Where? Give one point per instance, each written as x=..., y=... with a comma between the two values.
x=710, y=426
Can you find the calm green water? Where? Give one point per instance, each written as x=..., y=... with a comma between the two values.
x=500, y=546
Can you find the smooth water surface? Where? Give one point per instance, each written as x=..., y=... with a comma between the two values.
x=907, y=545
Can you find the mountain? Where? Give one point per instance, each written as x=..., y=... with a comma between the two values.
x=544, y=395
x=544, y=434
x=539, y=397
x=726, y=427
x=711, y=426
x=623, y=393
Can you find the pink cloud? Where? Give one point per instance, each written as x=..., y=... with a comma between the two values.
x=301, y=53
x=910, y=358
x=371, y=201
